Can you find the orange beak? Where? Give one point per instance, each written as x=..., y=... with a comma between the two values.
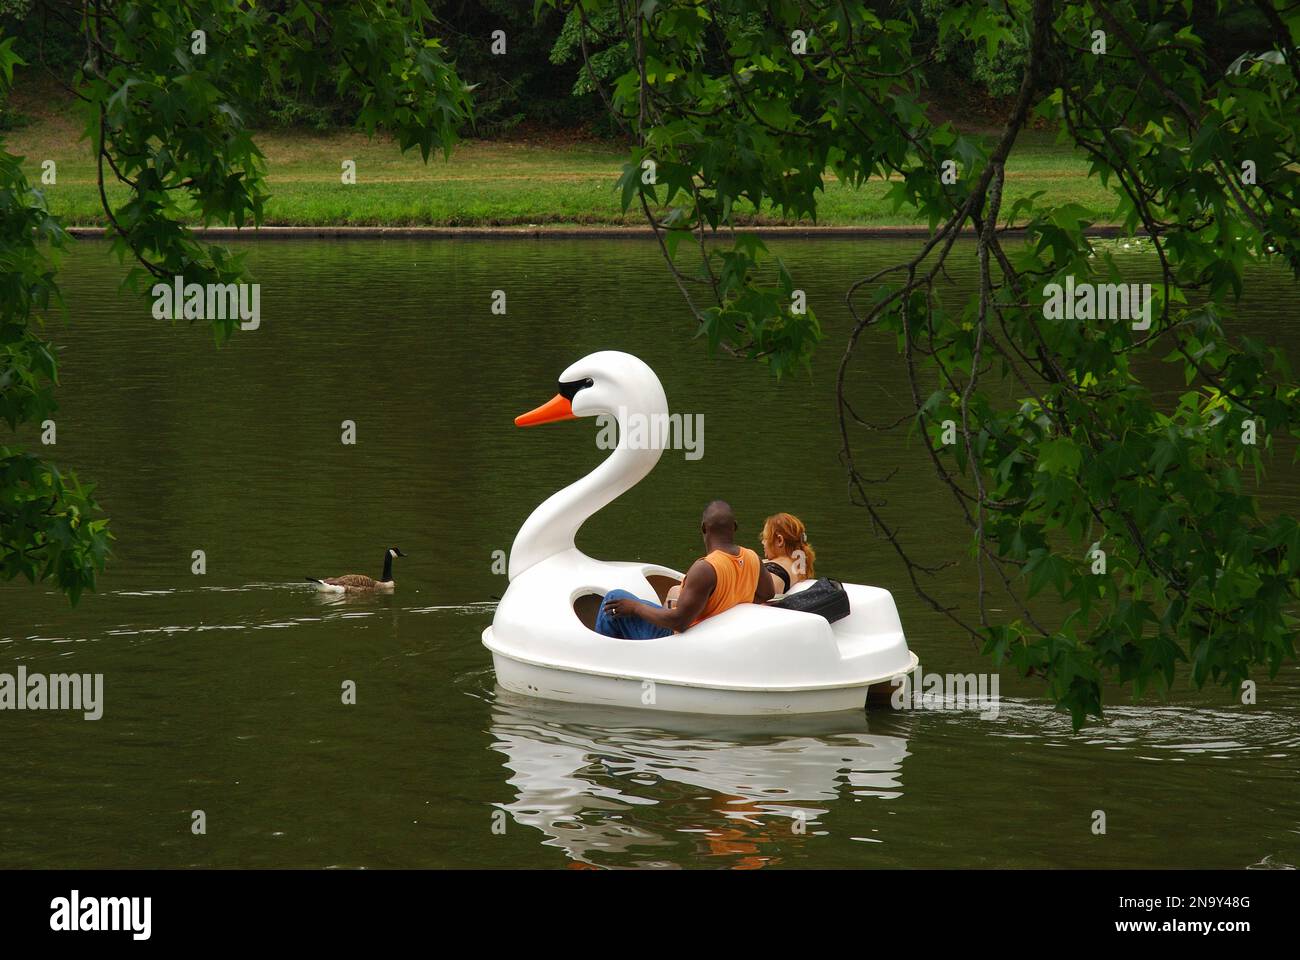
x=556, y=408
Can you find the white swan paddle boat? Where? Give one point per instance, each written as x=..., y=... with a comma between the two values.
x=751, y=659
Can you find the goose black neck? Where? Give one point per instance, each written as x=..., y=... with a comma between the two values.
x=388, y=568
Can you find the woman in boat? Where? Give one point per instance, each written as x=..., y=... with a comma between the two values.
x=788, y=557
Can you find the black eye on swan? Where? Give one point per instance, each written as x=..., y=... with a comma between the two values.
x=570, y=390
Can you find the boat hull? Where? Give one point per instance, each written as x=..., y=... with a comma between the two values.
x=550, y=683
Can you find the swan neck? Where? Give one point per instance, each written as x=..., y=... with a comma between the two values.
x=553, y=526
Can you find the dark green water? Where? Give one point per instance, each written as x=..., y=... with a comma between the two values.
x=223, y=690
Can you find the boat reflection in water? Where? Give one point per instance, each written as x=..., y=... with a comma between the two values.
x=616, y=787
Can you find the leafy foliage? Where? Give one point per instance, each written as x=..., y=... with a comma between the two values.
x=49, y=526
x=1061, y=443
x=166, y=91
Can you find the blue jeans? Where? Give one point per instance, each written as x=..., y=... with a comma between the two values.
x=628, y=628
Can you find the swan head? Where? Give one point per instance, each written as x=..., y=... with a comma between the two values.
x=608, y=382
x=611, y=383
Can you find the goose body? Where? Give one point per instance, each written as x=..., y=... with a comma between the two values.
x=359, y=582
x=751, y=659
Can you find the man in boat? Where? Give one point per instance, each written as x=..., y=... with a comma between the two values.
x=725, y=576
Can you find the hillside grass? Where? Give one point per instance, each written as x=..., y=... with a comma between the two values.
x=488, y=183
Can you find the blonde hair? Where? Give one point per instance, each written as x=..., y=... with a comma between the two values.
x=795, y=535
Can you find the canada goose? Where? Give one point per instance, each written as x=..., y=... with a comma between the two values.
x=360, y=582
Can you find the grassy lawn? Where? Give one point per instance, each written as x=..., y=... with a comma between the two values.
x=485, y=183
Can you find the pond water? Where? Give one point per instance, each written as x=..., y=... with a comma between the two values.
x=223, y=691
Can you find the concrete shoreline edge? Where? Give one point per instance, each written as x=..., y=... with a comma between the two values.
x=555, y=233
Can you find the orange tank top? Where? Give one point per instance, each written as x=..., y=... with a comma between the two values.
x=737, y=579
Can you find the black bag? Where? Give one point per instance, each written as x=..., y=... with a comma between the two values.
x=826, y=598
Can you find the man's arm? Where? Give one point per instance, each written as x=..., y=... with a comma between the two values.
x=696, y=590
x=765, y=590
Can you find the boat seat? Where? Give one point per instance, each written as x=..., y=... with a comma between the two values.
x=586, y=607
x=662, y=585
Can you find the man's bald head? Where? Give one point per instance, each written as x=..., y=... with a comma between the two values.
x=719, y=519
